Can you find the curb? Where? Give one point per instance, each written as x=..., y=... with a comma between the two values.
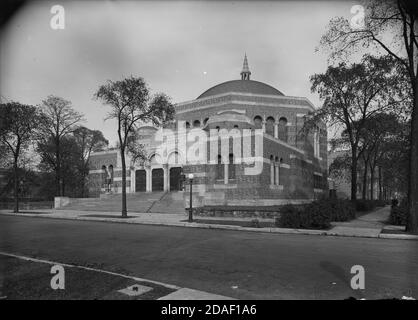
x=220, y=227
x=398, y=236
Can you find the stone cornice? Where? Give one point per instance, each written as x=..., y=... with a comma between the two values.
x=245, y=98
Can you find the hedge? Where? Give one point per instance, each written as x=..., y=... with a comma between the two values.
x=316, y=215
x=365, y=205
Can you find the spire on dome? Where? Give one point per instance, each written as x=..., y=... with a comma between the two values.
x=245, y=73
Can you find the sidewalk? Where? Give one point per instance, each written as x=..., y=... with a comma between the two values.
x=369, y=225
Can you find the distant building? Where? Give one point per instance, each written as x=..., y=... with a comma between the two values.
x=288, y=169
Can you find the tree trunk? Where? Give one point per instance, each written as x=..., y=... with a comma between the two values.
x=380, y=183
x=124, y=210
x=58, y=168
x=412, y=225
x=372, y=182
x=16, y=185
x=83, y=183
x=364, y=191
x=353, y=173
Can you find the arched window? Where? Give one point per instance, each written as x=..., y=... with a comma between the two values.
x=282, y=129
x=196, y=124
x=219, y=168
x=270, y=126
x=271, y=170
x=231, y=167
x=235, y=126
x=276, y=170
x=111, y=174
x=104, y=175
x=258, y=122
x=187, y=124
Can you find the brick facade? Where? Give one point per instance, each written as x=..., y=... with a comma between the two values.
x=294, y=168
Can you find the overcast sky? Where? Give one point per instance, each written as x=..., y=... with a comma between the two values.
x=179, y=47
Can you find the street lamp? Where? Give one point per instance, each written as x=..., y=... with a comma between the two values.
x=191, y=197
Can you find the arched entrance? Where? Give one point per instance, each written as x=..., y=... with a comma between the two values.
x=176, y=180
x=140, y=180
x=158, y=180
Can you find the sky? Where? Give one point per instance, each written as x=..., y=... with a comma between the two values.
x=180, y=48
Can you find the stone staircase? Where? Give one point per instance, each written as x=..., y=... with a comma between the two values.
x=171, y=202
x=141, y=202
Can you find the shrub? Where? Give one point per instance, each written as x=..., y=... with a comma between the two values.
x=380, y=203
x=342, y=210
x=289, y=217
x=398, y=215
x=255, y=223
x=365, y=205
x=316, y=215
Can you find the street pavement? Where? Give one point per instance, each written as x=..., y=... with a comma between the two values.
x=237, y=264
x=368, y=225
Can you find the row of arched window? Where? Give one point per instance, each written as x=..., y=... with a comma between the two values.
x=269, y=126
x=220, y=168
x=196, y=123
x=275, y=163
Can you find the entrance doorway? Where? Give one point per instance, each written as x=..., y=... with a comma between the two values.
x=176, y=179
x=140, y=180
x=157, y=180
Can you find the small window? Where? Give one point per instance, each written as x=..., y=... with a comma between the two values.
x=258, y=122
x=282, y=129
x=231, y=167
x=219, y=168
x=270, y=126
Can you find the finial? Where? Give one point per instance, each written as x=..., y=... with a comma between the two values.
x=245, y=73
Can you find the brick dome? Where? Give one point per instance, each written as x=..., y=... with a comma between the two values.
x=242, y=86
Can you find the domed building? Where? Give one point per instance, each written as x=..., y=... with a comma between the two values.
x=240, y=141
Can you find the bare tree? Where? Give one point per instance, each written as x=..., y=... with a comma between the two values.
x=132, y=104
x=58, y=120
x=18, y=124
x=391, y=27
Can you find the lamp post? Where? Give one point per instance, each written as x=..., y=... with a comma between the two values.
x=191, y=197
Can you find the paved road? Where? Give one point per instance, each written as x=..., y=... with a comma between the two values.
x=243, y=265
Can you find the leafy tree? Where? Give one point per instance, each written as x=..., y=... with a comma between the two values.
x=378, y=134
x=87, y=141
x=58, y=120
x=389, y=26
x=132, y=104
x=70, y=157
x=352, y=94
x=383, y=146
x=18, y=124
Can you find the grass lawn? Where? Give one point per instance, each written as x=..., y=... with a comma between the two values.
x=31, y=280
